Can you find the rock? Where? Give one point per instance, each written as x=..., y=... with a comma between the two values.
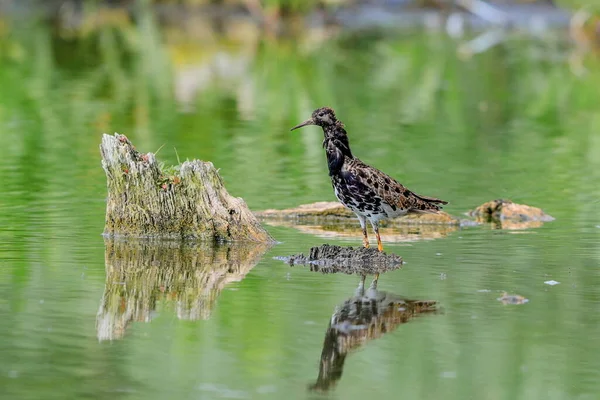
x=505, y=210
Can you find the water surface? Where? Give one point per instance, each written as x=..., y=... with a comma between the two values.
x=514, y=122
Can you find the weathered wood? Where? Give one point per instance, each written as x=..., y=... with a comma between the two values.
x=332, y=219
x=140, y=273
x=188, y=201
x=334, y=210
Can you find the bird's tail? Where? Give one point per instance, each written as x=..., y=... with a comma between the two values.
x=428, y=204
x=431, y=200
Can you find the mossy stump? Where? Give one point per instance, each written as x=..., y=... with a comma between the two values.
x=190, y=203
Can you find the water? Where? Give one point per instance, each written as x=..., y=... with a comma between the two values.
x=514, y=122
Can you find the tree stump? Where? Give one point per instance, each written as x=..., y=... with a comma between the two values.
x=188, y=201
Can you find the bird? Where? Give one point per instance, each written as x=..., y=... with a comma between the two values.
x=371, y=194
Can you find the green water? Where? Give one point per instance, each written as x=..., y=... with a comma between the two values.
x=514, y=122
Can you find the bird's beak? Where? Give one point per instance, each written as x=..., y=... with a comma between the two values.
x=307, y=122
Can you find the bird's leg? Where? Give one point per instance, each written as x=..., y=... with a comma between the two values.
x=376, y=229
x=363, y=225
x=360, y=290
x=374, y=283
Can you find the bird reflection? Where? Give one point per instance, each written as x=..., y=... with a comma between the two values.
x=141, y=273
x=367, y=315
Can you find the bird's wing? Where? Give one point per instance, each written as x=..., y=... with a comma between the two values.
x=387, y=188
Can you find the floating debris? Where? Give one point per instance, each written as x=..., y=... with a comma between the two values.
x=512, y=299
x=552, y=282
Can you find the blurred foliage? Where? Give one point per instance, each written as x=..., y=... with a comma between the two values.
x=135, y=77
x=269, y=9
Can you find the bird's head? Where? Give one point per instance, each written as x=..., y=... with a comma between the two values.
x=322, y=117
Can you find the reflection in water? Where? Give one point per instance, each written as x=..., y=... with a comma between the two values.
x=391, y=233
x=365, y=316
x=514, y=225
x=138, y=273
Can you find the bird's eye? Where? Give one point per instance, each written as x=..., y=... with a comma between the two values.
x=321, y=114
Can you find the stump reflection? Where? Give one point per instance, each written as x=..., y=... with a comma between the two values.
x=139, y=273
x=367, y=315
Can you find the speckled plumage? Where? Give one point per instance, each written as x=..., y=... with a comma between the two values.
x=371, y=194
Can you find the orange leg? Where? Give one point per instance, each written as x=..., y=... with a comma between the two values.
x=363, y=225
x=379, y=244
x=380, y=248
x=374, y=283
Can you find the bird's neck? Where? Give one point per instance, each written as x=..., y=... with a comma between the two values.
x=336, y=147
x=336, y=136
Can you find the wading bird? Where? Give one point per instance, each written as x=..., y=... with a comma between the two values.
x=369, y=193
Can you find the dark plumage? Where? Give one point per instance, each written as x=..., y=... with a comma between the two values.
x=369, y=193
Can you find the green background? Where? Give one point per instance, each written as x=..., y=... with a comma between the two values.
x=518, y=121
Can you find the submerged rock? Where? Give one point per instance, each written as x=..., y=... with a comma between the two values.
x=350, y=260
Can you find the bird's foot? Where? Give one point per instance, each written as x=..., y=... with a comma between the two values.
x=365, y=243
x=380, y=247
